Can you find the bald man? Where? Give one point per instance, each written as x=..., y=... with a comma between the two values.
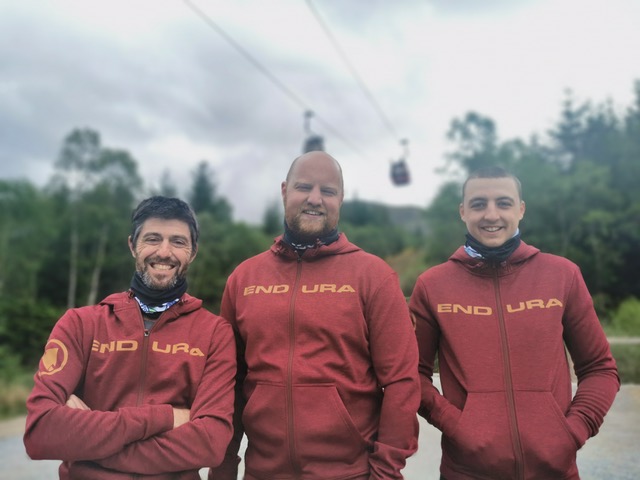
x=328, y=384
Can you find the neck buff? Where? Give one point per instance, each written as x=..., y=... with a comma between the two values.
x=301, y=243
x=492, y=254
x=153, y=302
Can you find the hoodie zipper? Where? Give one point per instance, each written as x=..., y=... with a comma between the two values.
x=143, y=368
x=511, y=403
x=143, y=361
x=295, y=465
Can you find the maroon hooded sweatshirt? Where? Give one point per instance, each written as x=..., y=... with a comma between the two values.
x=500, y=332
x=131, y=378
x=332, y=385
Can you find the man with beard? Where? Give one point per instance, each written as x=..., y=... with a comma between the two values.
x=328, y=381
x=140, y=384
x=500, y=316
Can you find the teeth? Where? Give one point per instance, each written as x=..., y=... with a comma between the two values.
x=492, y=229
x=159, y=266
x=311, y=212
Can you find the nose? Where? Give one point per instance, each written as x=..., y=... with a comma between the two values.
x=491, y=212
x=164, y=248
x=315, y=196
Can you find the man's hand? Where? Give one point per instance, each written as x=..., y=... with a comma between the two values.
x=75, y=402
x=180, y=416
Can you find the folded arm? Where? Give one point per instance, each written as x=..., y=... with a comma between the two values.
x=202, y=441
x=56, y=431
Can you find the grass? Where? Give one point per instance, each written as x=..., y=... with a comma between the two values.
x=13, y=394
x=628, y=360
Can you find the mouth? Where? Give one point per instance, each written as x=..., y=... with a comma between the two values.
x=491, y=229
x=162, y=266
x=313, y=213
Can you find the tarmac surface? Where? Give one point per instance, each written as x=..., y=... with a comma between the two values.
x=614, y=454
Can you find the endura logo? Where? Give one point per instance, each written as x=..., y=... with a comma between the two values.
x=252, y=289
x=54, y=359
x=327, y=287
x=510, y=308
x=531, y=304
x=132, y=346
x=466, y=309
x=317, y=288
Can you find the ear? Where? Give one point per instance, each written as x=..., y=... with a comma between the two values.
x=461, y=210
x=522, y=209
x=131, y=246
x=283, y=190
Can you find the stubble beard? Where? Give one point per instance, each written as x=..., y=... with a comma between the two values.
x=149, y=281
x=310, y=232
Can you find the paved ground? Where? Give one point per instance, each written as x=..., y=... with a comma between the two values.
x=611, y=455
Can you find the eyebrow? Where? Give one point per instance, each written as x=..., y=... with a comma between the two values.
x=485, y=198
x=170, y=237
x=322, y=185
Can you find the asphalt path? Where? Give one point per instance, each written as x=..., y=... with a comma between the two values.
x=612, y=455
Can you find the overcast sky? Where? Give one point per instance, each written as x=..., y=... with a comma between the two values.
x=176, y=82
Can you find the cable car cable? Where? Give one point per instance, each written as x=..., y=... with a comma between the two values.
x=353, y=71
x=281, y=86
x=399, y=169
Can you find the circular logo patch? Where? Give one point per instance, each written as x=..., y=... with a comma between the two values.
x=54, y=359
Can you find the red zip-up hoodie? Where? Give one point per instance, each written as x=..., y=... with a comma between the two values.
x=131, y=378
x=506, y=409
x=332, y=384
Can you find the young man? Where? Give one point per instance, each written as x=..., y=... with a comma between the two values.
x=142, y=383
x=499, y=314
x=328, y=384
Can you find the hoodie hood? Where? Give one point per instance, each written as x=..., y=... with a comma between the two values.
x=480, y=266
x=124, y=301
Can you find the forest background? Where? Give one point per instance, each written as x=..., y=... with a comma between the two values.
x=64, y=244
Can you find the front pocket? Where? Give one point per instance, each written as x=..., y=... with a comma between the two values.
x=324, y=430
x=315, y=430
x=265, y=423
x=548, y=444
x=481, y=441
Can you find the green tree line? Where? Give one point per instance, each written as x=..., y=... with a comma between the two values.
x=64, y=244
x=580, y=187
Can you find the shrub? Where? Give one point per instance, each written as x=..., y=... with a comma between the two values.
x=25, y=327
x=15, y=385
x=628, y=361
x=626, y=319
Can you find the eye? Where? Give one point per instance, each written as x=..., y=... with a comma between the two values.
x=329, y=192
x=477, y=205
x=152, y=239
x=180, y=242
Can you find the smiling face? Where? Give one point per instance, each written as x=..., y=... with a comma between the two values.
x=492, y=209
x=163, y=252
x=312, y=195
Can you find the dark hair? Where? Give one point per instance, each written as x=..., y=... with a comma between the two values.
x=167, y=209
x=492, y=172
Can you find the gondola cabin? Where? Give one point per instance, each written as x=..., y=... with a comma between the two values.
x=313, y=143
x=400, y=173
